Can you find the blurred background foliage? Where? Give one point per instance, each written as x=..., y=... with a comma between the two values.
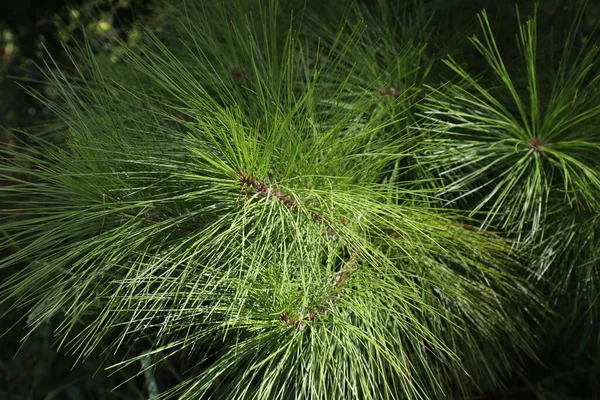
x=30, y=31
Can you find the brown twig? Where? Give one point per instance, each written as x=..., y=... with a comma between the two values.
x=182, y=117
x=338, y=280
x=536, y=146
x=264, y=190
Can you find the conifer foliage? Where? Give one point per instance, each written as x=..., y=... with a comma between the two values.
x=310, y=205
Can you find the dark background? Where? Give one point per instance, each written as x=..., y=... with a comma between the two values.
x=32, y=29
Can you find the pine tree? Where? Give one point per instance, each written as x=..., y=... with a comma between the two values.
x=301, y=204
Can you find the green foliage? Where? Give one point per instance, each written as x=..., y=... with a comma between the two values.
x=302, y=205
x=524, y=152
